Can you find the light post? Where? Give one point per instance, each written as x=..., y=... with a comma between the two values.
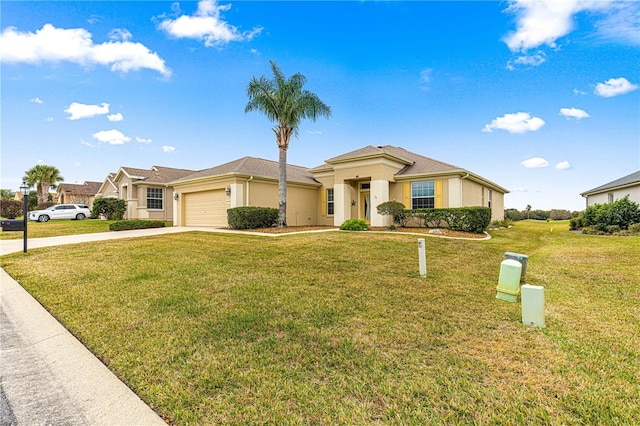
x=24, y=189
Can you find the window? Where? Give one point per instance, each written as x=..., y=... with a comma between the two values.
x=610, y=197
x=330, y=201
x=154, y=198
x=422, y=195
x=489, y=198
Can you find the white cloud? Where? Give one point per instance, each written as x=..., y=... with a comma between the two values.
x=545, y=21
x=120, y=34
x=425, y=75
x=36, y=100
x=143, y=140
x=563, y=165
x=77, y=110
x=535, y=163
x=622, y=23
x=49, y=119
x=168, y=148
x=51, y=44
x=206, y=24
x=519, y=122
x=614, y=87
x=574, y=113
x=314, y=132
x=112, y=137
x=527, y=60
x=115, y=117
x=579, y=92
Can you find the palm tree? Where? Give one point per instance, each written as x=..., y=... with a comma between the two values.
x=286, y=104
x=43, y=177
x=528, y=209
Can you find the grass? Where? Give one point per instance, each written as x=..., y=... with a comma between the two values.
x=338, y=328
x=61, y=227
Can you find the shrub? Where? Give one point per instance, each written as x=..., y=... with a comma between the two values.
x=575, y=223
x=622, y=213
x=504, y=223
x=634, y=229
x=252, y=217
x=395, y=209
x=469, y=219
x=125, y=225
x=556, y=214
x=10, y=208
x=514, y=215
x=354, y=225
x=110, y=208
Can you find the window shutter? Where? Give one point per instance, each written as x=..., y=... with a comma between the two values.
x=438, y=194
x=406, y=195
x=324, y=202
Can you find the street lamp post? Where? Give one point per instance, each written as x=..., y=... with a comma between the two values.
x=24, y=189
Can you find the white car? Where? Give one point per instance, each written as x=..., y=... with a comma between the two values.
x=61, y=211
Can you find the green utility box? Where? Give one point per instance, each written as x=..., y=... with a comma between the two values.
x=522, y=258
x=509, y=280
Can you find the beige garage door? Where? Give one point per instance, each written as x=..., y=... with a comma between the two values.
x=208, y=208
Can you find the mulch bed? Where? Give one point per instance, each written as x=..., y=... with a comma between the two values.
x=439, y=232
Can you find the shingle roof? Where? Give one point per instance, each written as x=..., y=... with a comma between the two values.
x=633, y=178
x=157, y=174
x=88, y=188
x=254, y=166
x=416, y=163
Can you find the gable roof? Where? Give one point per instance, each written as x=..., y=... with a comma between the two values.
x=252, y=166
x=625, y=181
x=86, y=188
x=157, y=174
x=414, y=163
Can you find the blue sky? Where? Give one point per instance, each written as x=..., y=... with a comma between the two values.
x=540, y=97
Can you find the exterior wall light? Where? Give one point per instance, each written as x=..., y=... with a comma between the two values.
x=228, y=190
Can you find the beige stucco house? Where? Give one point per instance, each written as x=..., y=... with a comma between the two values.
x=348, y=186
x=614, y=190
x=147, y=193
x=74, y=193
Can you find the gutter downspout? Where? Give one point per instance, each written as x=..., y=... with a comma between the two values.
x=247, y=201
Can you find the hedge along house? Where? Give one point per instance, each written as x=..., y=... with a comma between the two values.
x=147, y=193
x=349, y=186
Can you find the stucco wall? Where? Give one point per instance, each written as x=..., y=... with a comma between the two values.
x=633, y=193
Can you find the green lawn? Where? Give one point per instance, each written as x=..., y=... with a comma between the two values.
x=338, y=328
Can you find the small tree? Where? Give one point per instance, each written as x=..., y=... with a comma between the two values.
x=110, y=208
x=395, y=209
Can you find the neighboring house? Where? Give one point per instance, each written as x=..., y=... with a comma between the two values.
x=147, y=193
x=73, y=193
x=614, y=190
x=348, y=186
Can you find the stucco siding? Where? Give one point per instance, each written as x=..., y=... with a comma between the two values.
x=603, y=198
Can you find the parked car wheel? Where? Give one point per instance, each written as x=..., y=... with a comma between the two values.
x=43, y=218
x=80, y=216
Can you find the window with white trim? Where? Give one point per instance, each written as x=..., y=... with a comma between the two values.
x=423, y=194
x=155, y=198
x=330, y=203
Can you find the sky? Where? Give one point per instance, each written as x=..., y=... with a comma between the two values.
x=538, y=96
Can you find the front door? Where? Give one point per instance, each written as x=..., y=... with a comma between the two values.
x=365, y=206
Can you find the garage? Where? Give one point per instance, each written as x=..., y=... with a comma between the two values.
x=207, y=208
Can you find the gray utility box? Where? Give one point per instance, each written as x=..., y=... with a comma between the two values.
x=522, y=258
x=12, y=225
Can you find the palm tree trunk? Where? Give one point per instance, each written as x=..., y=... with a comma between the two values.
x=43, y=191
x=282, y=186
